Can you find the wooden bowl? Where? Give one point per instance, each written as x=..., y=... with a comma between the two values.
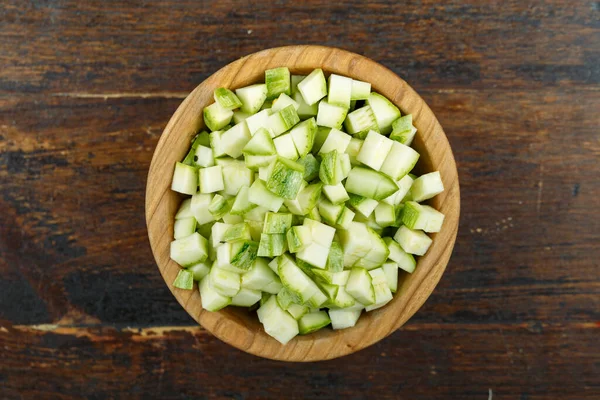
x=237, y=326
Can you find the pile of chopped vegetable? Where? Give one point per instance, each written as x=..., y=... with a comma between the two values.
x=303, y=206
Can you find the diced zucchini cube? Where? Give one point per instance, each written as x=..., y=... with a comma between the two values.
x=237, y=232
x=360, y=90
x=336, y=193
x=320, y=137
x=360, y=122
x=390, y=269
x=321, y=233
x=374, y=150
x=314, y=254
x=246, y=298
x=400, y=257
x=307, y=199
x=239, y=116
x=283, y=101
x=359, y=286
x=329, y=171
x=335, y=259
x=311, y=167
x=369, y=183
x=211, y=179
x=235, y=138
x=203, y=157
x=236, y=176
x=210, y=299
x=184, y=227
x=199, y=271
x=427, y=186
x=261, y=144
x=227, y=99
x=403, y=130
x=426, y=218
x=277, y=222
x=336, y=140
x=304, y=110
x=184, y=280
x=285, y=147
x=278, y=81
x=243, y=254
x=282, y=120
x=272, y=245
x=226, y=283
x=280, y=325
x=331, y=115
x=216, y=144
x=345, y=218
x=297, y=310
x=330, y=212
x=412, y=241
x=298, y=237
x=313, y=321
x=285, y=178
x=199, y=206
x=219, y=206
x=383, y=294
x=400, y=161
x=217, y=117
x=252, y=97
x=343, y=318
x=189, y=250
x=259, y=276
x=296, y=79
x=218, y=231
x=296, y=281
x=314, y=87
x=340, y=90
x=385, y=214
x=261, y=196
x=303, y=136
x=385, y=112
x=353, y=149
x=242, y=204
x=363, y=205
x=257, y=121
x=185, y=210
x=185, y=179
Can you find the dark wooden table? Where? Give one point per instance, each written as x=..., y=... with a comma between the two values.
x=86, y=88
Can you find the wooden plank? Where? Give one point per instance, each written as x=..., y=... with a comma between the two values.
x=87, y=47
x=422, y=361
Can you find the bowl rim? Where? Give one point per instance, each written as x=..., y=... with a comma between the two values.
x=227, y=325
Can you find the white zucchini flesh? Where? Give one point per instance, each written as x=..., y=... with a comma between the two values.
x=400, y=161
x=336, y=140
x=343, y=318
x=412, y=241
x=211, y=179
x=185, y=179
x=427, y=186
x=313, y=88
x=426, y=218
x=340, y=90
x=374, y=150
x=210, y=299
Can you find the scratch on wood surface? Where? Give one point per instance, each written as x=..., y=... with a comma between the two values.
x=540, y=189
x=133, y=95
x=45, y=327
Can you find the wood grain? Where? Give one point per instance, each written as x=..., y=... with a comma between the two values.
x=515, y=86
x=237, y=326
